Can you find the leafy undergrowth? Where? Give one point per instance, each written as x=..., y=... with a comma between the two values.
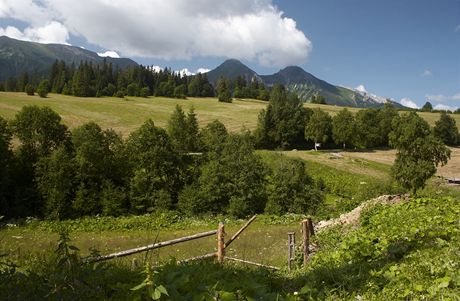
x=161, y=220
x=408, y=251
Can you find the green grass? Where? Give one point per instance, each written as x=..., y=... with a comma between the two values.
x=405, y=252
x=263, y=241
x=347, y=181
x=126, y=115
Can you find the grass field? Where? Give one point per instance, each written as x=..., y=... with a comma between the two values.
x=125, y=115
x=359, y=161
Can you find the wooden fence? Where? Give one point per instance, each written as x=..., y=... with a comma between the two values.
x=306, y=229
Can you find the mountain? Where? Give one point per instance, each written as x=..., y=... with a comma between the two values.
x=230, y=69
x=18, y=56
x=304, y=84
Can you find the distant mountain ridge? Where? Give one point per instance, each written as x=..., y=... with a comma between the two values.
x=304, y=84
x=17, y=57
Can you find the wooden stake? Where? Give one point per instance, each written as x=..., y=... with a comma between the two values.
x=311, y=227
x=291, y=249
x=306, y=241
x=221, y=243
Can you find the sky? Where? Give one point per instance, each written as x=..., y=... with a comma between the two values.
x=407, y=50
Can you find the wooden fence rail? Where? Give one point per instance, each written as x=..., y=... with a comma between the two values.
x=151, y=246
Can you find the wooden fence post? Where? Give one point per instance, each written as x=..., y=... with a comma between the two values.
x=291, y=249
x=306, y=240
x=310, y=227
x=221, y=243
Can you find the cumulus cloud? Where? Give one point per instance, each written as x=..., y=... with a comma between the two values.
x=407, y=102
x=109, y=53
x=426, y=73
x=52, y=32
x=202, y=70
x=176, y=29
x=361, y=88
x=443, y=98
x=443, y=107
x=185, y=71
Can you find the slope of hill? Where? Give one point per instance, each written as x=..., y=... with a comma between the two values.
x=302, y=83
x=128, y=114
x=230, y=69
x=17, y=57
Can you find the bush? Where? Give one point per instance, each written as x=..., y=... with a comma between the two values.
x=145, y=92
x=120, y=94
x=43, y=88
x=225, y=96
x=30, y=89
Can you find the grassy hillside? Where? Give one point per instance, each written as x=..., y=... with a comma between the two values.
x=125, y=115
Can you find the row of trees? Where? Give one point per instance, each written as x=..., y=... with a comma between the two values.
x=57, y=173
x=240, y=88
x=88, y=80
x=285, y=123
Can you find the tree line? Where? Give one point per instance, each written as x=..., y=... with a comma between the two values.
x=287, y=124
x=57, y=173
x=96, y=80
x=93, y=80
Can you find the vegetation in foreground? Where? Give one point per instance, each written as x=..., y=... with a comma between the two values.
x=400, y=252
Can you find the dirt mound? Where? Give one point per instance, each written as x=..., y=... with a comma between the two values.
x=351, y=218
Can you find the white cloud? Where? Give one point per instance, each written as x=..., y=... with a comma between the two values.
x=52, y=32
x=202, y=70
x=426, y=73
x=443, y=98
x=155, y=68
x=407, y=102
x=185, y=71
x=457, y=29
x=176, y=29
x=109, y=53
x=361, y=88
x=443, y=107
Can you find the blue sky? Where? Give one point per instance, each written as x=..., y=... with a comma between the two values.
x=401, y=49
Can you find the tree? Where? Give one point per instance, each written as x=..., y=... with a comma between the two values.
x=96, y=163
x=319, y=127
x=183, y=130
x=43, y=88
x=282, y=123
x=56, y=180
x=446, y=129
x=6, y=161
x=290, y=188
x=213, y=136
x=427, y=107
x=30, y=89
x=318, y=99
x=144, y=92
x=39, y=130
x=155, y=178
x=418, y=151
x=223, y=90
x=368, y=132
x=231, y=183
x=385, y=118
x=343, y=127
